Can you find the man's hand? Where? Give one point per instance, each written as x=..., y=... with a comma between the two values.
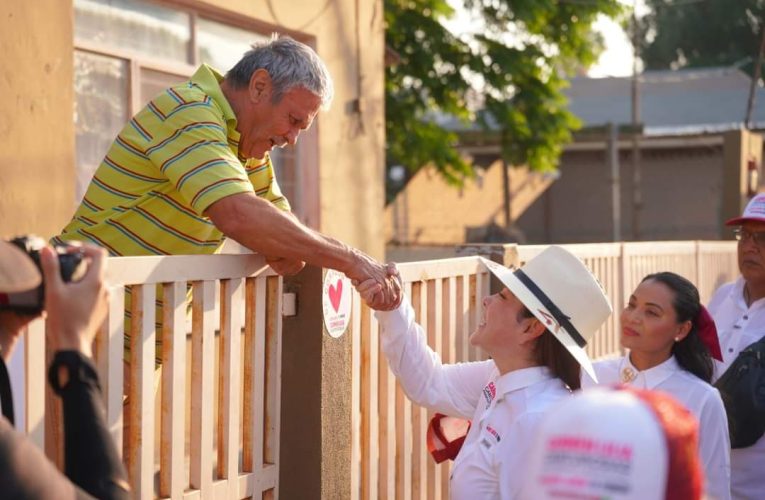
x=285, y=266
x=381, y=288
x=75, y=310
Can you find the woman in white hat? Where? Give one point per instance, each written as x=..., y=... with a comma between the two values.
x=620, y=444
x=671, y=340
x=535, y=330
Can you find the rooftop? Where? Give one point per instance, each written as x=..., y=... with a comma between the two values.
x=687, y=101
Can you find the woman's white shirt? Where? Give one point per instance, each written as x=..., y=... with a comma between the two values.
x=505, y=410
x=700, y=398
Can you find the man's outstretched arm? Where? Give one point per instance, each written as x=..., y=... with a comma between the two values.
x=263, y=228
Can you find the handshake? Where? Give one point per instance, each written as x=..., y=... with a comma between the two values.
x=382, y=292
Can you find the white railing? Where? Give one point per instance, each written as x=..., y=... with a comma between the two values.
x=389, y=454
x=219, y=405
x=207, y=424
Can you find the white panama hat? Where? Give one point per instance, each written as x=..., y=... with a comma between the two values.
x=563, y=294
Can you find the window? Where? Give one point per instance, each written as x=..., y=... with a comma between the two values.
x=128, y=51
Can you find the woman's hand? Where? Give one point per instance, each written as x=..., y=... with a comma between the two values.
x=369, y=288
x=75, y=310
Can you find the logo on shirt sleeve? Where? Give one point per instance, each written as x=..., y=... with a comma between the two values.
x=489, y=392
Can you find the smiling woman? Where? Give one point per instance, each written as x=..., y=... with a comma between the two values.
x=535, y=330
x=671, y=340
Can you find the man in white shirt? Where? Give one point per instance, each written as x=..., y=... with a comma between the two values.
x=739, y=312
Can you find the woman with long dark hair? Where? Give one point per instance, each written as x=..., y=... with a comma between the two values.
x=535, y=330
x=671, y=339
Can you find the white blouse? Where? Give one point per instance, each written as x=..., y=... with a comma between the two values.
x=699, y=397
x=505, y=409
x=739, y=326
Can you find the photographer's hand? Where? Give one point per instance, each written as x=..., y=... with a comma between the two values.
x=75, y=310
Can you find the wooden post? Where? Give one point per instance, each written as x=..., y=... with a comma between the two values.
x=502, y=253
x=316, y=399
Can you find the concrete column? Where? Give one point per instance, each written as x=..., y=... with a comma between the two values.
x=315, y=452
x=36, y=117
x=740, y=147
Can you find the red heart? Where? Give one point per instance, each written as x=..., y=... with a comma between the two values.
x=335, y=292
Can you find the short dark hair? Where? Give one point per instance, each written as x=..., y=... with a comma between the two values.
x=691, y=353
x=551, y=353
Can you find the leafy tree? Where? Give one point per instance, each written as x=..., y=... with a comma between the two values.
x=508, y=79
x=702, y=33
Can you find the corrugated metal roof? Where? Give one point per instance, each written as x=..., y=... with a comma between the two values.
x=688, y=101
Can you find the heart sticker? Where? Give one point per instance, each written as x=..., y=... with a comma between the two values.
x=336, y=302
x=335, y=294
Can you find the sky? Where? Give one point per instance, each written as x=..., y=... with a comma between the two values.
x=616, y=59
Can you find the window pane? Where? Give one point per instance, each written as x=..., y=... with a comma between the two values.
x=154, y=82
x=221, y=46
x=285, y=167
x=101, y=92
x=135, y=25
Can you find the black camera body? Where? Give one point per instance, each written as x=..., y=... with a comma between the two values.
x=32, y=302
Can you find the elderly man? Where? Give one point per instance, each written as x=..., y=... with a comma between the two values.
x=738, y=309
x=192, y=168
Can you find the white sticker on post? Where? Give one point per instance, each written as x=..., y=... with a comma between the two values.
x=336, y=297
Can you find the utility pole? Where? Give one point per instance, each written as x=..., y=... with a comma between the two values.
x=637, y=196
x=753, y=84
x=616, y=200
x=506, y=194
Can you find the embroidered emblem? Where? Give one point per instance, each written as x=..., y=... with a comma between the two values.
x=628, y=374
x=550, y=320
x=489, y=392
x=493, y=432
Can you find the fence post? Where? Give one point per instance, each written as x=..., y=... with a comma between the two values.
x=315, y=455
x=501, y=253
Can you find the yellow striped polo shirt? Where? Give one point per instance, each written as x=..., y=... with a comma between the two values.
x=172, y=160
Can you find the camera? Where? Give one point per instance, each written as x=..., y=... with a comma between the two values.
x=32, y=302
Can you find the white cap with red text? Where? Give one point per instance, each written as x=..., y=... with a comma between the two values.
x=613, y=443
x=754, y=211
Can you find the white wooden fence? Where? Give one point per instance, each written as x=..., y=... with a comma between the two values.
x=217, y=418
x=390, y=458
x=218, y=414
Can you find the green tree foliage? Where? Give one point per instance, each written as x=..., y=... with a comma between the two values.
x=507, y=79
x=702, y=33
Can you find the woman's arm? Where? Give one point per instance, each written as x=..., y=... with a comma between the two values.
x=91, y=460
x=452, y=389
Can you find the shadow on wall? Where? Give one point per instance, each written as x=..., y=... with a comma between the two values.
x=494, y=233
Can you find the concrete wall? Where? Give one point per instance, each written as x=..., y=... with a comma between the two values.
x=36, y=117
x=36, y=113
x=431, y=212
x=681, y=189
x=741, y=148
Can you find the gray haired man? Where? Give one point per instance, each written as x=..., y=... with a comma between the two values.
x=192, y=168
